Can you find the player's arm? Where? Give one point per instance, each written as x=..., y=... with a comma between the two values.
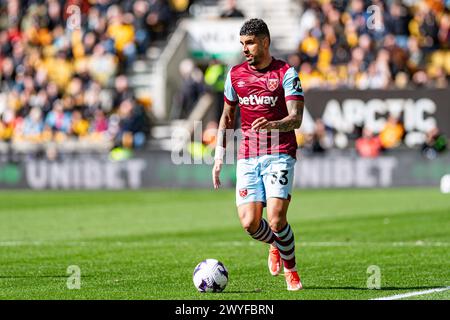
x=226, y=122
x=294, y=103
x=292, y=121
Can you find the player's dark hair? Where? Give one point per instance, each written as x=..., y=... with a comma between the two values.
x=255, y=27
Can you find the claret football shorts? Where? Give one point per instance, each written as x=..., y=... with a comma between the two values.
x=263, y=177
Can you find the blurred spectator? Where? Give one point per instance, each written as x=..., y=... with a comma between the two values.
x=215, y=75
x=231, y=10
x=416, y=56
x=420, y=79
x=376, y=77
x=121, y=30
x=428, y=27
x=397, y=56
x=100, y=123
x=102, y=65
x=392, y=133
x=180, y=6
x=309, y=49
x=121, y=90
x=159, y=19
x=294, y=61
x=397, y=23
x=32, y=126
x=368, y=146
x=444, y=31
x=79, y=125
x=440, y=77
x=401, y=80
x=318, y=141
x=140, y=10
x=91, y=99
x=191, y=89
x=58, y=120
x=434, y=144
x=7, y=124
x=367, y=45
x=7, y=73
x=134, y=125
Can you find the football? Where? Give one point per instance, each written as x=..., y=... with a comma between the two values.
x=210, y=275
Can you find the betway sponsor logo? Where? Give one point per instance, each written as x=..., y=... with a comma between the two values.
x=254, y=100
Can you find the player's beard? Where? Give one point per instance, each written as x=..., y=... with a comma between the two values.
x=254, y=59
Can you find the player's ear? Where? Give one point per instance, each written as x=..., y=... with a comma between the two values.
x=266, y=42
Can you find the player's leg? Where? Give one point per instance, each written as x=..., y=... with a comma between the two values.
x=250, y=215
x=284, y=241
x=275, y=220
x=276, y=214
x=251, y=199
x=278, y=183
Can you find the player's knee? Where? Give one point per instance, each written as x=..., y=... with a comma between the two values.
x=250, y=225
x=277, y=223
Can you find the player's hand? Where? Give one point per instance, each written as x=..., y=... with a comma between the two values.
x=216, y=173
x=261, y=124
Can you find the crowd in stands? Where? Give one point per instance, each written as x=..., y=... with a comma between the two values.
x=62, y=76
x=374, y=44
x=404, y=45
x=62, y=70
x=343, y=45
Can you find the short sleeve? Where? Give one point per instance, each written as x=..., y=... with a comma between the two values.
x=230, y=95
x=292, y=86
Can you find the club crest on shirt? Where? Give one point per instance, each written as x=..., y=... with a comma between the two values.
x=272, y=84
x=243, y=193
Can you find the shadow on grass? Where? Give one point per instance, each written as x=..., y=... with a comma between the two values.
x=307, y=288
x=243, y=291
x=366, y=289
x=39, y=276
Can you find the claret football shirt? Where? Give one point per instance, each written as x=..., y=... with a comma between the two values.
x=263, y=93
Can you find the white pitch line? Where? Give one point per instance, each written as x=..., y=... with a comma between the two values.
x=412, y=294
x=226, y=243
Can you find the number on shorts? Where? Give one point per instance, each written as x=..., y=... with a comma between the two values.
x=274, y=178
x=283, y=179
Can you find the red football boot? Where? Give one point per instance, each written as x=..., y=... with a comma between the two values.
x=274, y=261
x=293, y=280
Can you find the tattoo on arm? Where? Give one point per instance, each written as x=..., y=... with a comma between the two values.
x=293, y=120
x=226, y=122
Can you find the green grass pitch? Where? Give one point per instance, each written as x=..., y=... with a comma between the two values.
x=145, y=244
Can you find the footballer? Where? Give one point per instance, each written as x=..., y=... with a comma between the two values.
x=269, y=95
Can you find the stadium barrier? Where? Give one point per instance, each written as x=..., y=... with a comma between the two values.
x=336, y=169
x=419, y=109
